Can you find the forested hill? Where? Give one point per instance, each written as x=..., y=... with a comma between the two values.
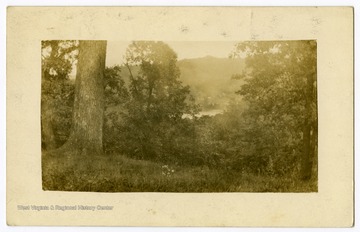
x=210, y=79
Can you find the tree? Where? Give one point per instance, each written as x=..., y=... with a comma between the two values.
x=158, y=81
x=87, y=123
x=280, y=87
x=158, y=101
x=116, y=99
x=57, y=92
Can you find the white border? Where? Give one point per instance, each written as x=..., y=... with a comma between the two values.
x=5, y=3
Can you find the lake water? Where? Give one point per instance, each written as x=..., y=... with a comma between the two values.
x=205, y=113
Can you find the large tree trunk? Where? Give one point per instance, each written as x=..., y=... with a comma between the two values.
x=86, y=135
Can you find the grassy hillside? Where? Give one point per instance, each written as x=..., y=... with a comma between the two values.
x=117, y=173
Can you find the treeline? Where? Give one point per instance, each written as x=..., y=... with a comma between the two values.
x=272, y=131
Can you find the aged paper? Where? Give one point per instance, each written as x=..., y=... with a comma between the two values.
x=331, y=27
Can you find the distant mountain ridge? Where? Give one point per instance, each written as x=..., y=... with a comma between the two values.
x=210, y=79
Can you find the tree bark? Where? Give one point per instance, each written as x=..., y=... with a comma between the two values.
x=47, y=131
x=86, y=135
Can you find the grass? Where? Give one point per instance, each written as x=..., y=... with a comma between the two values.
x=117, y=173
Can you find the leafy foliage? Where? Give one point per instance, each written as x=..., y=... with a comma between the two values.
x=280, y=88
x=57, y=91
x=116, y=92
x=152, y=124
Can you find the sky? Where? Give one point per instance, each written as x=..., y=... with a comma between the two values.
x=184, y=50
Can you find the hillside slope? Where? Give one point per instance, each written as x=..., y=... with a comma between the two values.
x=210, y=79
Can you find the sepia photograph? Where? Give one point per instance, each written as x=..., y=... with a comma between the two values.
x=157, y=116
x=180, y=116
